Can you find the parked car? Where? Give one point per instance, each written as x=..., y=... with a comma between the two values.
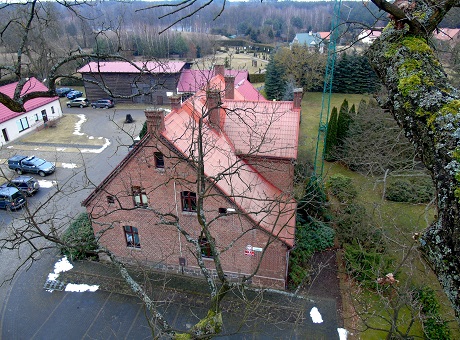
x=26, y=184
x=74, y=94
x=11, y=198
x=62, y=91
x=32, y=164
x=103, y=103
x=78, y=102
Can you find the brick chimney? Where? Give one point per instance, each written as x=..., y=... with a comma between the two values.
x=298, y=93
x=155, y=120
x=229, y=87
x=219, y=69
x=175, y=102
x=213, y=107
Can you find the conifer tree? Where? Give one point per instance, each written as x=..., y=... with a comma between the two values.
x=331, y=137
x=274, y=83
x=343, y=122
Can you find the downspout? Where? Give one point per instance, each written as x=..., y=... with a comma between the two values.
x=288, y=254
x=177, y=214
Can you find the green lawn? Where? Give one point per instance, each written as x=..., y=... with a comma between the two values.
x=399, y=221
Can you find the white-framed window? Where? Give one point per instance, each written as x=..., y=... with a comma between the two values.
x=23, y=124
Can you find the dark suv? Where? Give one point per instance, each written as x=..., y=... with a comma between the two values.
x=62, y=91
x=27, y=184
x=103, y=103
x=11, y=198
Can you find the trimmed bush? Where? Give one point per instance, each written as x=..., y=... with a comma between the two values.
x=79, y=239
x=410, y=190
x=342, y=187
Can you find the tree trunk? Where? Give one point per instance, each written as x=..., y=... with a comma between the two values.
x=422, y=101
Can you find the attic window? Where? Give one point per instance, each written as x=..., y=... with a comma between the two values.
x=110, y=199
x=159, y=160
x=222, y=211
x=140, y=197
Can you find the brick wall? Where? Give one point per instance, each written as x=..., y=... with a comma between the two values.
x=277, y=171
x=161, y=244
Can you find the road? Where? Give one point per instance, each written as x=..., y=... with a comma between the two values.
x=76, y=175
x=30, y=312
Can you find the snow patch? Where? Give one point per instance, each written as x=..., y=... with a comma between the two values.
x=61, y=149
x=79, y=124
x=315, y=315
x=46, y=184
x=342, y=333
x=69, y=165
x=91, y=137
x=79, y=288
x=62, y=265
x=106, y=144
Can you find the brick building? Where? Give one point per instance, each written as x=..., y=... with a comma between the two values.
x=147, y=209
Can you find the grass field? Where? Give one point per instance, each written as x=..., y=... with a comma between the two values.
x=398, y=220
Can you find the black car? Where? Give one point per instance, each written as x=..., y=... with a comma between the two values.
x=27, y=184
x=62, y=92
x=103, y=103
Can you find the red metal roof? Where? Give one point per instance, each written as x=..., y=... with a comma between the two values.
x=32, y=85
x=193, y=80
x=263, y=128
x=125, y=67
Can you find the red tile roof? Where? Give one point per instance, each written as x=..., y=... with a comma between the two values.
x=125, y=67
x=32, y=85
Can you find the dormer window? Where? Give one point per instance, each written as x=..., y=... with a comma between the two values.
x=140, y=197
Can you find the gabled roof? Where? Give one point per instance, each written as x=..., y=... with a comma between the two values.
x=325, y=35
x=309, y=39
x=125, y=67
x=32, y=85
x=266, y=205
x=446, y=34
x=191, y=81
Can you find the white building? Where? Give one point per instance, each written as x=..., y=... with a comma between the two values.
x=38, y=111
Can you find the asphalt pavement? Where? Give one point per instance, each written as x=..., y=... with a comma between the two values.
x=29, y=311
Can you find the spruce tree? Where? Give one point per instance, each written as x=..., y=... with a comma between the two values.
x=331, y=137
x=343, y=122
x=274, y=83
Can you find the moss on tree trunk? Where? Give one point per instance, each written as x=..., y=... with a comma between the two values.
x=428, y=108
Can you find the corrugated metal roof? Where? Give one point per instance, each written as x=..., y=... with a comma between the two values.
x=191, y=81
x=32, y=85
x=125, y=67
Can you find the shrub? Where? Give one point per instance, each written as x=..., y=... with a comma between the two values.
x=310, y=238
x=366, y=266
x=342, y=187
x=71, y=82
x=434, y=326
x=79, y=238
x=410, y=190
